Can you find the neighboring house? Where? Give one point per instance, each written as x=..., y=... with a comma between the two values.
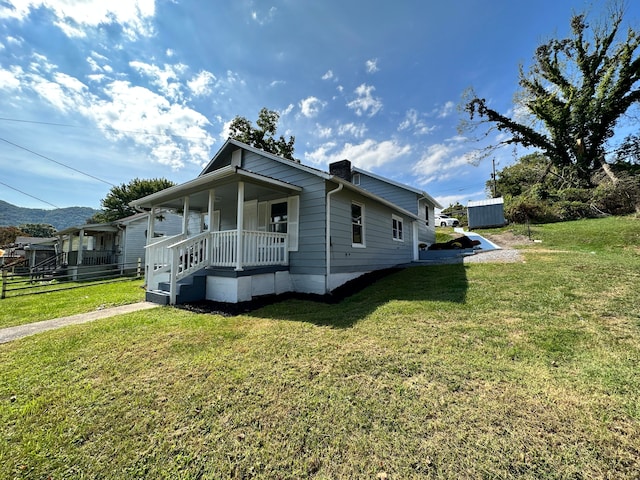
x=269, y=225
x=104, y=248
x=30, y=251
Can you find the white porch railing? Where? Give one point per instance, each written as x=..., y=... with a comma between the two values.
x=158, y=260
x=178, y=257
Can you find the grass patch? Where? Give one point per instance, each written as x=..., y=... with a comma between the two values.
x=525, y=370
x=22, y=309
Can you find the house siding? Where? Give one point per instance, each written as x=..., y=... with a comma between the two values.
x=396, y=195
x=380, y=250
x=310, y=257
x=135, y=237
x=405, y=199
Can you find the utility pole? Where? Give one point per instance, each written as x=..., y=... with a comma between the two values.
x=493, y=176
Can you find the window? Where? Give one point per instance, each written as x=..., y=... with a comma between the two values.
x=357, y=224
x=397, y=228
x=278, y=217
x=355, y=179
x=426, y=214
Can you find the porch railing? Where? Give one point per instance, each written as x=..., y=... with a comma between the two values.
x=180, y=257
x=158, y=260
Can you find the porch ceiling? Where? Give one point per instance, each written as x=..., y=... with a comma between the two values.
x=225, y=184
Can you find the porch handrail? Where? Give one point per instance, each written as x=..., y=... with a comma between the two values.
x=158, y=259
x=185, y=256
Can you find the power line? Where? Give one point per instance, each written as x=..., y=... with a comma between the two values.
x=108, y=129
x=57, y=162
x=29, y=195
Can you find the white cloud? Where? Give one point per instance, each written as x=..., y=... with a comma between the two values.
x=174, y=132
x=446, y=110
x=75, y=17
x=462, y=198
x=202, y=84
x=166, y=78
x=352, y=129
x=9, y=79
x=365, y=103
x=262, y=19
x=413, y=122
x=368, y=154
x=170, y=133
x=311, y=106
x=287, y=110
x=323, y=132
x=440, y=161
x=372, y=65
x=328, y=75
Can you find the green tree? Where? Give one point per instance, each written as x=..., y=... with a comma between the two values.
x=263, y=135
x=575, y=93
x=40, y=230
x=116, y=204
x=8, y=235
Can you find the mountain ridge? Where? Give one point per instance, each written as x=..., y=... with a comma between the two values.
x=60, y=218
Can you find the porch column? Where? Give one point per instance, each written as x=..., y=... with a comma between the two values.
x=185, y=215
x=151, y=225
x=80, y=246
x=240, y=225
x=212, y=199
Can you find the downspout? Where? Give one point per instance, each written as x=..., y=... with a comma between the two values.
x=328, y=239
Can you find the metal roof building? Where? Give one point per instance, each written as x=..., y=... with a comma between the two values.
x=486, y=213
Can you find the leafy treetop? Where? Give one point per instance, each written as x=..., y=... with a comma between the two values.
x=575, y=94
x=262, y=136
x=116, y=204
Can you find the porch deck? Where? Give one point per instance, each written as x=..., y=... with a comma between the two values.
x=219, y=254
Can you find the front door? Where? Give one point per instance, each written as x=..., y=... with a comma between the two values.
x=250, y=216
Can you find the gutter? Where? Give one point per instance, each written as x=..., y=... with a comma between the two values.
x=328, y=238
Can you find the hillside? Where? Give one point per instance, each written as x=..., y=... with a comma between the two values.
x=60, y=218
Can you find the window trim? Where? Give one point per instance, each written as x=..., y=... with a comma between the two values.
x=363, y=243
x=397, y=233
x=355, y=179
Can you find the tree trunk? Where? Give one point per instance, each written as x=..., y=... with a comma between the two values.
x=607, y=169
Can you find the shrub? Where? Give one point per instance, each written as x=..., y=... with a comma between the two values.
x=620, y=198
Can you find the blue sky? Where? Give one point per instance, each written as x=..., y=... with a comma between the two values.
x=95, y=93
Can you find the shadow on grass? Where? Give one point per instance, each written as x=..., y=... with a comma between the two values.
x=356, y=299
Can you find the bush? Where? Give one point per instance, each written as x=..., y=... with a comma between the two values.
x=567, y=210
x=525, y=209
x=620, y=198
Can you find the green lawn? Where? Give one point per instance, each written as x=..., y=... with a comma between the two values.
x=19, y=309
x=526, y=370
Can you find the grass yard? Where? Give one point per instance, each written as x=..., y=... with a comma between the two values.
x=526, y=370
x=22, y=309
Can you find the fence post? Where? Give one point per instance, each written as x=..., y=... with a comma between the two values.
x=4, y=283
x=138, y=271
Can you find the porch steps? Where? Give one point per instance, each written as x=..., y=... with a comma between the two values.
x=190, y=289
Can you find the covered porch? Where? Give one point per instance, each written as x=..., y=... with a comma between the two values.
x=233, y=221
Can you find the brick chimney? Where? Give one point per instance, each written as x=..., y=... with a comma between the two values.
x=341, y=169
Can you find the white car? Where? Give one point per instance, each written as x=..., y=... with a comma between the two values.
x=443, y=220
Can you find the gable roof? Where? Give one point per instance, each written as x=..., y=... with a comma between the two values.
x=231, y=142
x=207, y=175
x=422, y=193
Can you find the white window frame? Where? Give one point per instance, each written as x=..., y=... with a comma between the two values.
x=397, y=228
x=355, y=179
x=363, y=244
x=293, y=220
